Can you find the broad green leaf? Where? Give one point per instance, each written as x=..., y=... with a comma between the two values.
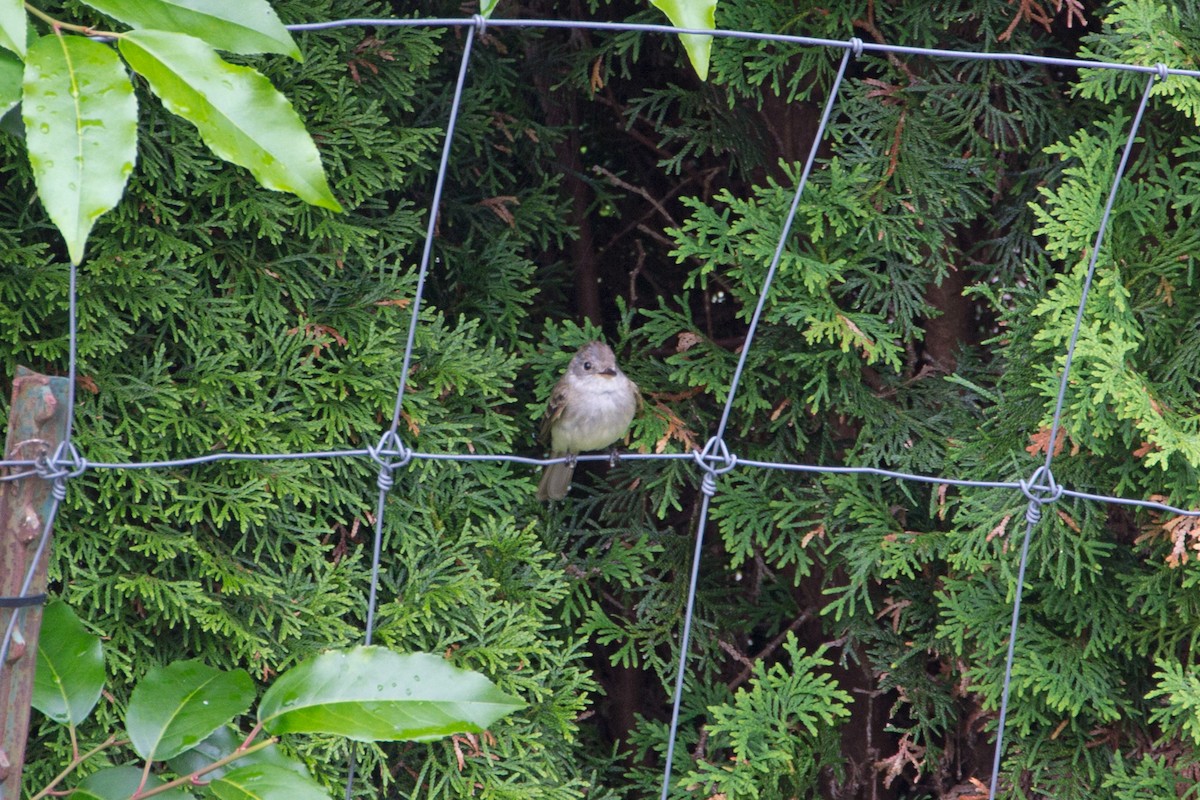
x=239, y=26
x=265, y=782
x=697, y=15
x=174, y=708
x=240, y=115
x=80, y=129
x=70, y=667
x=11, y=124
x=223, y=742
x=371, y=694
x=13, y=26
x=11, y=72
x=120, y=783
x=486, y=7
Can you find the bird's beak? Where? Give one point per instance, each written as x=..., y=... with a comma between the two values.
x=612, y=373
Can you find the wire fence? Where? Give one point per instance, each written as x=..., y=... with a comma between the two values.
x=390, y=453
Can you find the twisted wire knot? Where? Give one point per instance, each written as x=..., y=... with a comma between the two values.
x=715, y=459
x=389, y=445
x=856, y=46
x=64, y=464
x=1160, y=71
x=480, y=23
x=1040, y=489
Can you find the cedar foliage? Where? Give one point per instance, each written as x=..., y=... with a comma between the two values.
x=851, y=630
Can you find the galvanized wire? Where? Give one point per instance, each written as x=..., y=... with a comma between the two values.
x=391, y=453
x=1042, y=488
x=716, y=457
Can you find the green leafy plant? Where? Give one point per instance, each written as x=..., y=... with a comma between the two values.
x=80, y=115
x=179, y=716
x=772, y=739
x=696, y=14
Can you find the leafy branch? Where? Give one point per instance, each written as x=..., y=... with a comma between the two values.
x=80, y=112
x=181, y=714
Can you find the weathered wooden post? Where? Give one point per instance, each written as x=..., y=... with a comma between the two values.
x=37, y=423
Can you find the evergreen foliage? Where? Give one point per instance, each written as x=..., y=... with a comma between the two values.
x=851, y=629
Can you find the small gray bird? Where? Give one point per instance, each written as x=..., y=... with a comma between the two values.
x=591, y=407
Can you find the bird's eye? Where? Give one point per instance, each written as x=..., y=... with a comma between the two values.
x=587, y=365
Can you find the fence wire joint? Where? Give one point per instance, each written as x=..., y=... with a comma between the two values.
x=715, y=459
x=64, y=464
x=389, y=446
x=1041, y=488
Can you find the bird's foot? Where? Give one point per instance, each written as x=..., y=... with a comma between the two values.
x=613, y=456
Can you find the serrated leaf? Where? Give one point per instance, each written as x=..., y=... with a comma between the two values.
x=80, y=130
x=371, y=694
x=239, y=26
x=240, y=115
x=11, y=73
x=70, y=667
x=697, y=15
x=176, y=707
x=14, y=26
x=266, y=782
x=121, y=783
x=222, y=743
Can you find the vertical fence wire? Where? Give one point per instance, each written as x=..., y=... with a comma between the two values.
x=391, y=453
x=716, y=458
x=390, y=444
x=1042, y=488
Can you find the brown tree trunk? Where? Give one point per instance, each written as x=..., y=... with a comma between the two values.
x=951, y=329
x=561, y=108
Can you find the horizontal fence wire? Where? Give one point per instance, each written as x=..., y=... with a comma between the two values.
x=391, y=453
x=37, y=468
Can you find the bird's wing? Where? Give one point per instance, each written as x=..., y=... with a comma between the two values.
x=554, y=410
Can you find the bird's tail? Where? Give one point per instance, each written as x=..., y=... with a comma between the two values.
x=556, y=479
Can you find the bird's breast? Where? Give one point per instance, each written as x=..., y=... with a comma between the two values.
x=596, y=414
